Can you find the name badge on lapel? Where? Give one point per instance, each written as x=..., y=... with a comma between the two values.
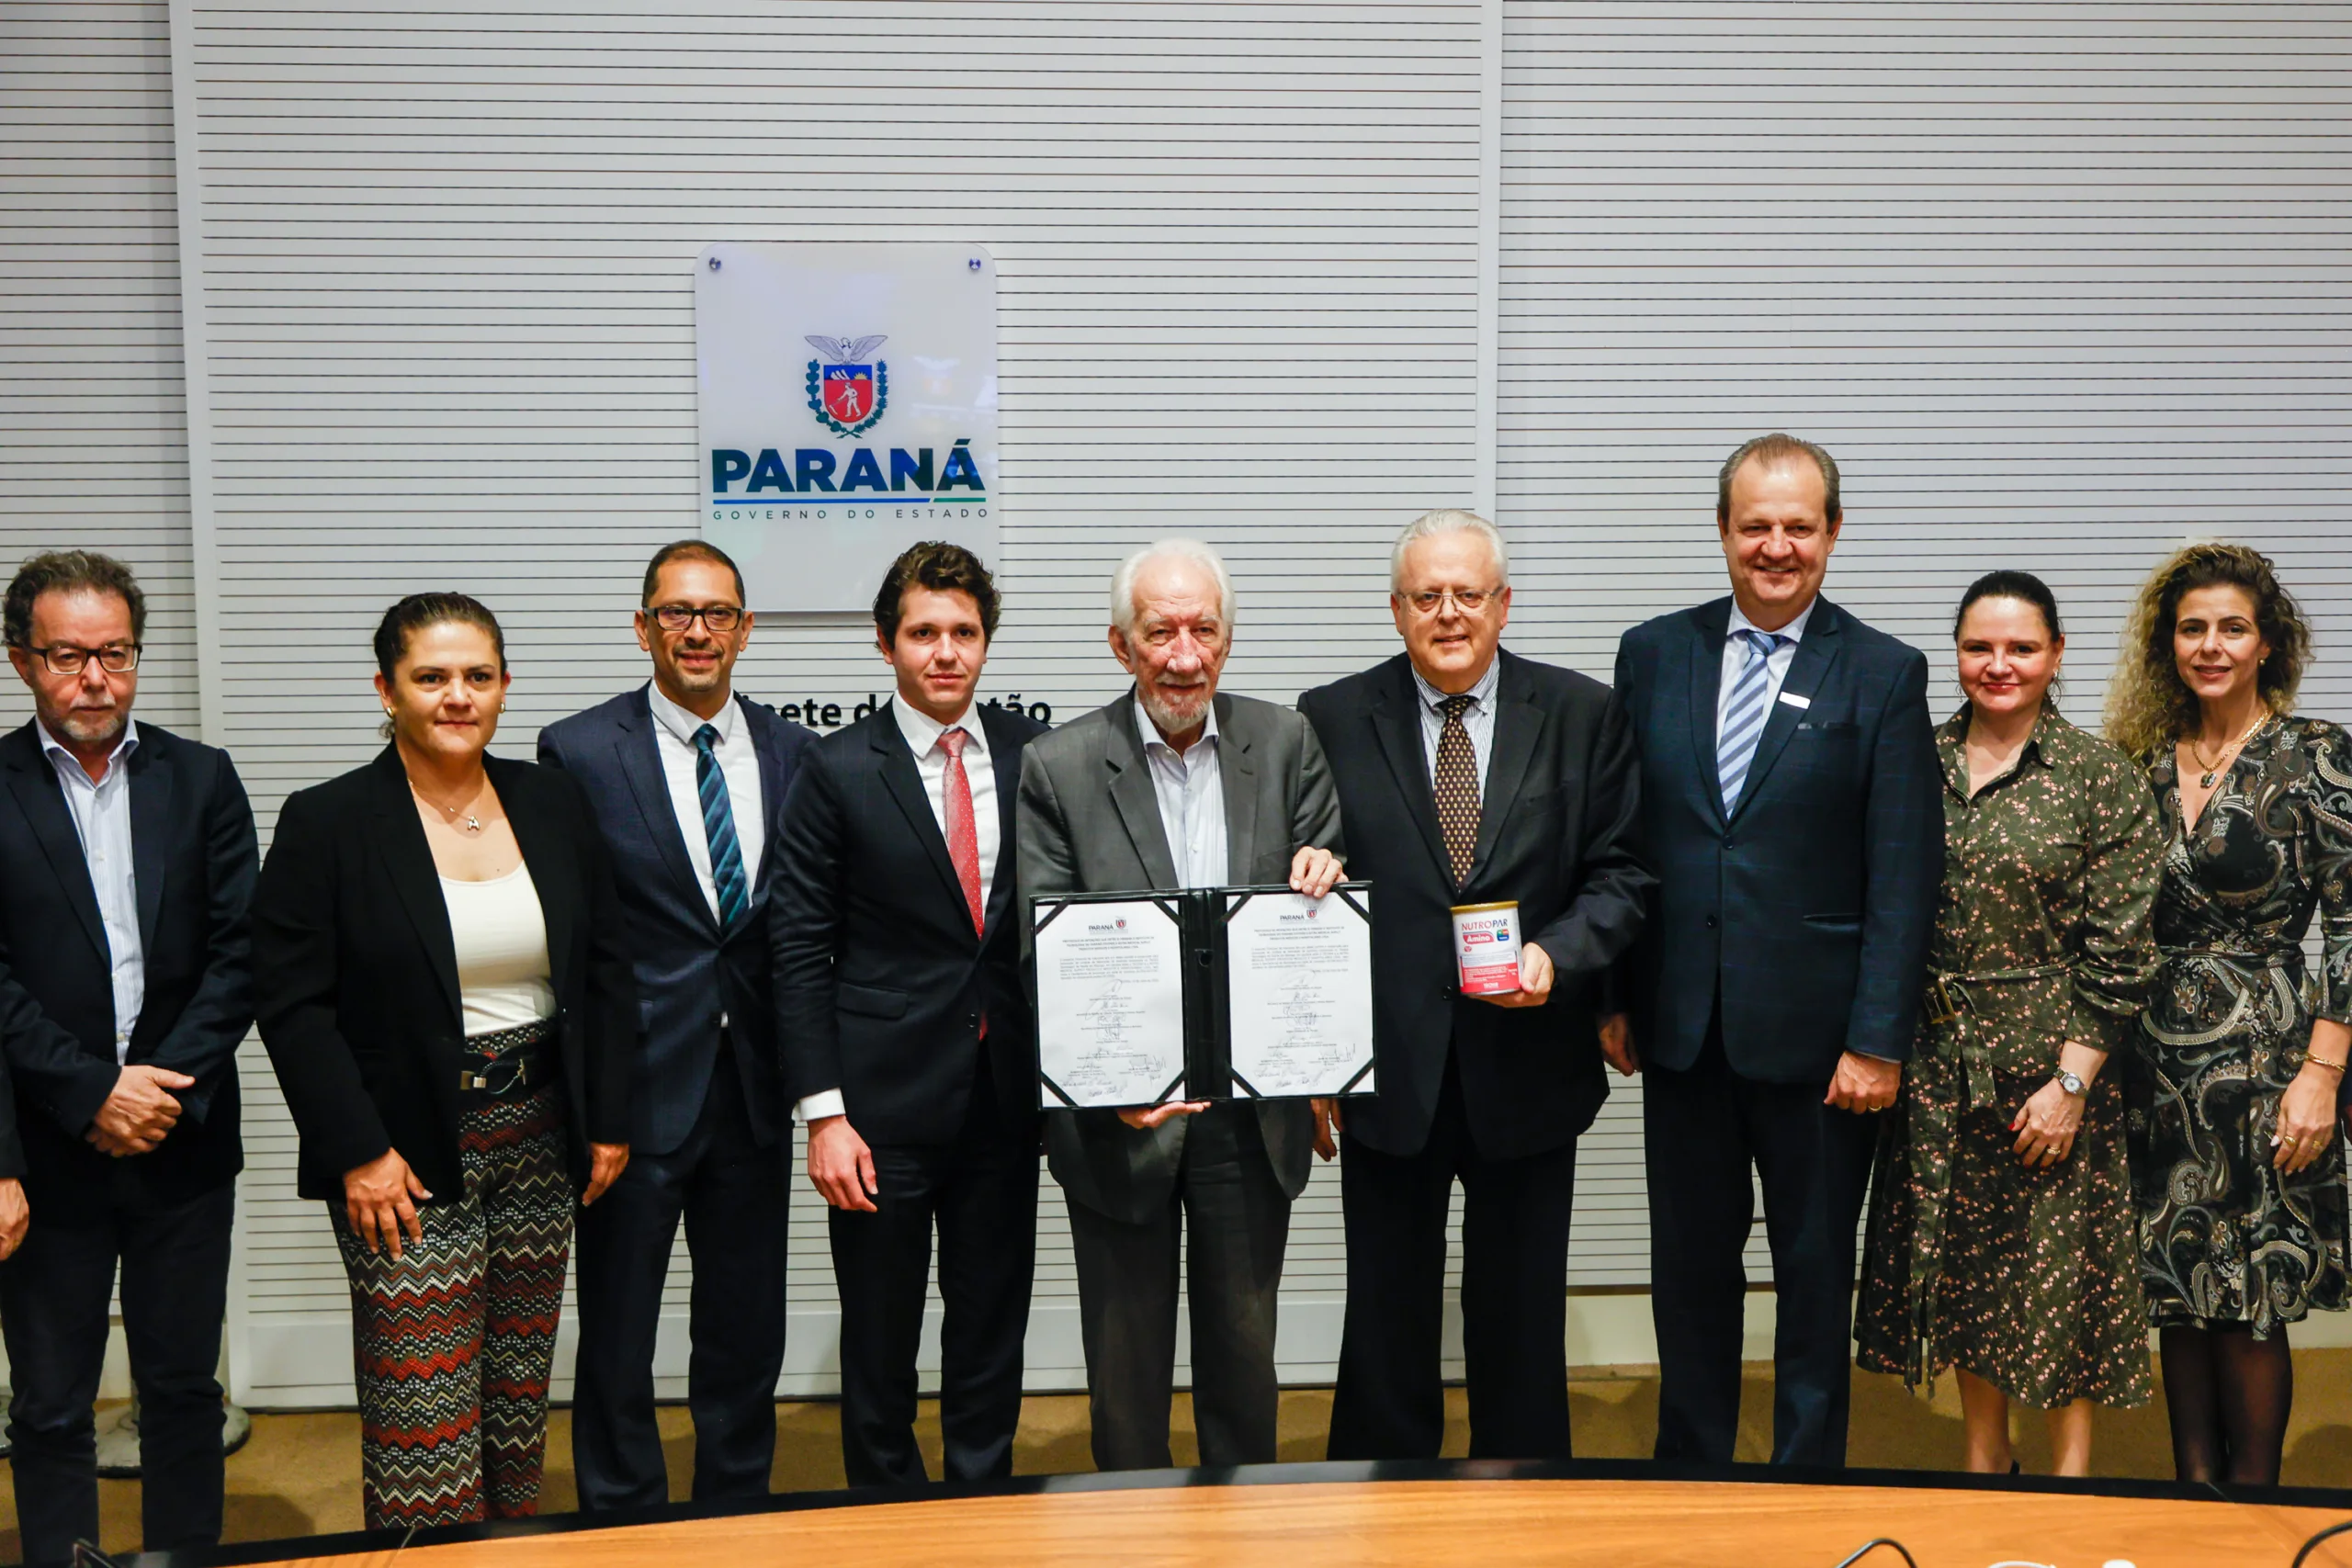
x=1800, y=703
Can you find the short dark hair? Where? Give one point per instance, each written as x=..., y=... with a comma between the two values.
x=67, y=571
x=943, y=568
x=1769, y=450
x=418, y=611
x=2008, y=585
x=690, y=549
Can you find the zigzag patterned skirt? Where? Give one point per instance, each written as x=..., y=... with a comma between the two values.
x=453, y=1341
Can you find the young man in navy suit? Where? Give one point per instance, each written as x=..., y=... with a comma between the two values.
x=125, y=984
x=906, y=1027
x=1792, y=812
x=688, y=782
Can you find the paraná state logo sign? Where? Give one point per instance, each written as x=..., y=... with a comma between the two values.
x=848, y=393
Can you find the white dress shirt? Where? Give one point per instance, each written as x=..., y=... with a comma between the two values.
x=923, y=733
x=1478, y=719
x=101, y=815
x=1775, y=667
x=739, y=764
x=1191, y=789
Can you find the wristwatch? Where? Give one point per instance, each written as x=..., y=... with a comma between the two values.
x=2071, y=1084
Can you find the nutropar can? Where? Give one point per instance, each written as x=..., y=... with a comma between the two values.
x=1486, y=948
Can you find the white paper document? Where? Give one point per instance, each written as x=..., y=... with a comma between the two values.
x=1299, y=993
x=1110, y=1004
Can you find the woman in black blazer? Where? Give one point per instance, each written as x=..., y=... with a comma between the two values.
x=445, y=990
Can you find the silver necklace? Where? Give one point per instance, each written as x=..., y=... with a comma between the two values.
x=470, y=825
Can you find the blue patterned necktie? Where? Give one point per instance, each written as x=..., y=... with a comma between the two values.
x=1744, y=719
x=718, y=828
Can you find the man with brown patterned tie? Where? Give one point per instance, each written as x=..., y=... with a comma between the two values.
x=1468, y=775
x=905, y=1027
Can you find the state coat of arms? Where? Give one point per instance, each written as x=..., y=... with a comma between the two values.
x=848, y=393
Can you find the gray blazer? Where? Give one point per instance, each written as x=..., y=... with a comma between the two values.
x=1088, y=822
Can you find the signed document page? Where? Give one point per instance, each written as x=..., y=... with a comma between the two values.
x=1299, y=993
x=1110, y=1004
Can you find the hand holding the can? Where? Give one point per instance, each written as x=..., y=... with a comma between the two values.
x=1534, y=980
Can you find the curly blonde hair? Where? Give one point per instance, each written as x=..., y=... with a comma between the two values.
x=2148, y=707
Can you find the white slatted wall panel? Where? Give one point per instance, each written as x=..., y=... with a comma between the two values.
x=448, y=286
x=2059, y=285
x=93, y=417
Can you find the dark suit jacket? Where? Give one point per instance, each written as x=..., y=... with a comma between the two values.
x=1556, y=832
x=1089, y=823
x=194, y=859
x=356, y=971
x=880, y=980
x=1809, y=910
x=688, y=971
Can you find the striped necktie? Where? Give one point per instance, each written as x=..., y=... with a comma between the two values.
x=1744, y=718
x=718, y=828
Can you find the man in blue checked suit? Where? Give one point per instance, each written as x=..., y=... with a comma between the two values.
x=1793, y=813
x=688, y=782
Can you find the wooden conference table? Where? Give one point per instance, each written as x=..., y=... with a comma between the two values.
x=1310, y=1516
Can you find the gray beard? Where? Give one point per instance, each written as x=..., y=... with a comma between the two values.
x=1169, y=721
x=93, y=729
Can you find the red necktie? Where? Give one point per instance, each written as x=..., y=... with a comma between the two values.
x=963, y=833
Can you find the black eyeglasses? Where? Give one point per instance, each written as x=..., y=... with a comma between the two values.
x=717, y=618
x=65, y=659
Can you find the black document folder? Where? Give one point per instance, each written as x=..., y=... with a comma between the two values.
x=1156, y=1014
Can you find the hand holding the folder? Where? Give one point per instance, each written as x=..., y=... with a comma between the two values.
x=1147, y=1117
x=1315, y=872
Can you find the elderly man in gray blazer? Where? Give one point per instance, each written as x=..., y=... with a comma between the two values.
x=1176, y=785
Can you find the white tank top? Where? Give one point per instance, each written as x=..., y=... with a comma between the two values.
x=502, y=938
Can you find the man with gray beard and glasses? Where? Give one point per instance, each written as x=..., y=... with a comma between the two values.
x=1175, y=784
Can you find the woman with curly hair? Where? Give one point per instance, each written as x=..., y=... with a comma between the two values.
x=2238, y=1175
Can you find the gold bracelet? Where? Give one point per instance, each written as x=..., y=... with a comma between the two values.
x=2323, y=1062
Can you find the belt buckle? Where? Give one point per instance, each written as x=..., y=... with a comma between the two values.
x=1943, y=1002
x=487, y=1082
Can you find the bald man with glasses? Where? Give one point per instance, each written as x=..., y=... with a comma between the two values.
x=688, y=779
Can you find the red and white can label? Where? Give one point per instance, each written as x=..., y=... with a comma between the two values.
x=1486, y=948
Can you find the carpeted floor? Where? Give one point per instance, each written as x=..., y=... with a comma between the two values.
x=299, y=1475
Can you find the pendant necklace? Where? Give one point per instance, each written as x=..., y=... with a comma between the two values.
x=2214, y=770
x=469, y=825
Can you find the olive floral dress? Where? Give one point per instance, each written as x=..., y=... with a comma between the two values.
x=2223, y=1237
x=2027, y=1277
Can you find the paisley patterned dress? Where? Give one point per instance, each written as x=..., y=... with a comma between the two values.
x=2223, y=1237
x=2027, y=1277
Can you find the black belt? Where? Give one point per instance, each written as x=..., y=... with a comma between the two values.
x=507, y=1060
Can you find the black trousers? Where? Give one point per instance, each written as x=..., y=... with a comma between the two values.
x=981, y=1192
x=733, y=1195
x=1235, y=1218
x=1391, y=1402
x=1704, y=1129
x=54, y=1310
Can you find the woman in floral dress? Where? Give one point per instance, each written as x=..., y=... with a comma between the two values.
x=2239, y=1174
x=2001, y=1238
